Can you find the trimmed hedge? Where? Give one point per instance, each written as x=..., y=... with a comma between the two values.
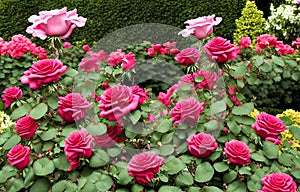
x=106, y=16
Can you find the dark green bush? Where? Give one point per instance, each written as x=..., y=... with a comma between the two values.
x=106, y=16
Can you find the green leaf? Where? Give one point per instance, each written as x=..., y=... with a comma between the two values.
x=137, y=187
x=48, y=135
x=230, y=176
x=245, y=170
x=238, y=71
x=96, y=161
x=271, y=150
x=53, y=101
x=96, y=130
x=295, y=131
x=285, y=159
x=165, y=150
x=123, y=177
x=165, y=126
x=104, y=183
x=234, y=127
x=61, y=163
x=244, y=109
x=43, y=167
x=173, y=166
x=20, y=112
x=204, y=168
x=184, y=179
x=237, y=186
x=135, y=116
x=169, y=189
x=258, y=60
x=221, y=166
x=113, y=152
x=11, y=142
x=40, y=185
x=278, y=61
x=199, y=79
x=211, y=189
x=266, y=67
x=39, y=111
x=7, y=172
x=29, y=176
x=71, y=72
x=259, y=156
x=14, y=184
x=218, y=107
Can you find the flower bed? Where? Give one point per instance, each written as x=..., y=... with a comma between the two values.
x=104, y=123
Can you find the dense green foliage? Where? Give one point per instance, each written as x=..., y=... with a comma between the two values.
x=106, y=16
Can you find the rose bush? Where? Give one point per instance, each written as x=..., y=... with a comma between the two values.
x=88, y=124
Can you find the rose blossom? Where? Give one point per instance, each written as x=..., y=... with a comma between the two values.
x=265, y=40
x=67, y=45
x=56, y=22
x=88, y=64
x=72, y=107
x=110, y=138
x=117, y=101
x=86, y=48
x=268, y=126
x=128, y=61
x=201, y=144
x=40, y=51
x=188, y=56
x=294, y=43
x=209, y=79
x=165, y=97
x=278, y=182
x=141, y=93
x=26, y=127
x=10, y=95
x=78, y=144
x=200, y=27
x=43, y=71
x=115, y=58
x=220, y=50
x=245, y=42
x=285, y=49
x=18, y=46
x=187, y=110
x=237, y=152
x=144, y=166
x=19, y=156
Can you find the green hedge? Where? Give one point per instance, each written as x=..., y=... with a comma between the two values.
x=105, y=16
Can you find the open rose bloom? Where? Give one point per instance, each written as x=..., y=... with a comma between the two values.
x=58, y=22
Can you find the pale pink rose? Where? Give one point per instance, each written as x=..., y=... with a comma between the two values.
x=26, y=127
x=202, y=144
x=297, y=1
x=19, y=156
x=89, y=64
x=144, y=166
x=220, y=50
x=187, y=110
x=278, y=182
x=245, y=42
x=58, y=22
x=10, y=95
x=100, y=55
x=128, y=61
x=188, y=56
x=77, y=145
x=43, y=71
x=201, y=27
x=237, y=152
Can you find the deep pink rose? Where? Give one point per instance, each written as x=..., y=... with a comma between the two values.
x=237, y=152
x=209, y=79
x=265, y=40
x=18, y=46
x=267, y=125
x=3, y=47
x=201, y=27
x=56, y=22
x=115, y=58
x=117, y=101
x=78, y=144
x=141, y=93
x=86, y=48
x=40, y=51
x=188, y=56
x=43, y=71
x=165, y=97
x=10, y=95
x=294, y=43
x=278, y=182
x=187, y=111
x=110, y=138
x=220, y=50
x=202, y=144
x=285, y=49
x=72, y=107
x=144, y=166
x=245, y=42
x=26, y=127
x=128, y=61
x=19, y=156
x=67, y=45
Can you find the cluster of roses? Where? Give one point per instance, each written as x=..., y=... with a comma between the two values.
x=270, y=41
x=158, y=49
x=20, y=45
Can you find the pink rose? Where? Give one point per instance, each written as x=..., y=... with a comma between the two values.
x=278, y=182
x=128, y=61
x=26, y=127
x=18, y=46
x=265, y=40
x=297, y=1
x=40, y=51
x=187, y=111
x=117, y=101
x=202, y=144
x=144, y=166
x=88, y=64
x=100, y=55
x=209, y=79
x=201, y=27
x=110, y=138
x=78, y=144
x=115, y=58
x=67, y=45
x=10, y=95
x=188, y=56
x=245, y=42
x=220, y=50
x=237, y=152
x=294, y=43
x=141, y=93
x=86, y=48
x=165, y=97
x=19, y=156
x=56, y=22
x=268, y=126
x=43, y=71
x=72, y=107
x=285, y=49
